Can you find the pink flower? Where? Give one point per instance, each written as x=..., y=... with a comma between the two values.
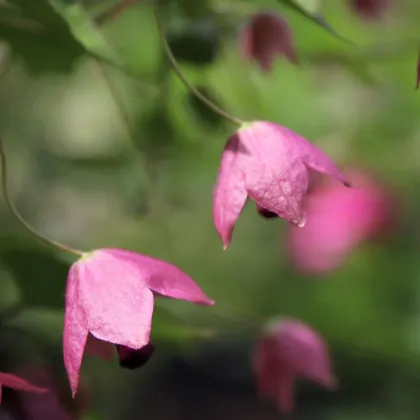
x=338, y=220
x=19, y=384
x=270, y=164
x=289, y=350
x=110, y=294
x=370, y=9
x=265, y=36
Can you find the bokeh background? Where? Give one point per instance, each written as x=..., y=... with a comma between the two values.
x=76, y=175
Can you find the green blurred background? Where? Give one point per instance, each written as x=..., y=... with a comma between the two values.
x=76, y=175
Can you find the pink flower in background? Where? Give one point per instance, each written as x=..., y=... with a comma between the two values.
x=265, y=37
x=287, y=351
x=45, y=406
x=338, y=220
x=370, y=9
x=109, y=298
x=270, y=164
x=19, y=384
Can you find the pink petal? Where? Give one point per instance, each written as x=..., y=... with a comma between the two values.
x=161, y=277
x=277, y=174
x=303, y=350
x=298, y=147
x=75, y=331
x=285, y=392
x=15, y=382
x=99, y=348
x=274, y=379
x=118, y=307
x=276, y=178
x=229, y=194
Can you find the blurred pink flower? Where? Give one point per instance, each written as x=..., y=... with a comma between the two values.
x=338, y=220
x=45, y=406
x=272, y=165
x=266, y=36
x=19, y=384
x=287, y=351
x=370, y=9
x=109, y=294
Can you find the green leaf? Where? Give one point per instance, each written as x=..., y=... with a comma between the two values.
x=310, y=9
x=85, y=31
x=39, y=35
x=40, y=275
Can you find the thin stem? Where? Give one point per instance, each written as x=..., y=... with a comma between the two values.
x=183, y=78
x=9, y=203
x=17, y=215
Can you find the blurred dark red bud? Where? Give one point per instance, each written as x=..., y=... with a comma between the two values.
x=134, y=359
x=267, y=36
x=370, y=9
x=267, y=214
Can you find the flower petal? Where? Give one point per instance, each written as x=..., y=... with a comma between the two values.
x=118, y=306
x=229, y=195
x=303, y=350
x=162, y=277
x=15, y=382
x=265, y=36
x=75, y=331
x=275, y=176
x=297, y=146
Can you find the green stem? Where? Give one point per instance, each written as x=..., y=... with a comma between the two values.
x=184, y=79
x=9, y=203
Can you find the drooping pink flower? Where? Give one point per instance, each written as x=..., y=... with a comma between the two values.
x=270, y=164
x=289, y=350
x=109, y=298
x=266, y=36
x=338, y=220
x=371, y=9
x=19, y=384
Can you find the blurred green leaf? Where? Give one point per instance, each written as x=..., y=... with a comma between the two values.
x=44, y=324
x=85, y=31
x=43, y=41
x=40, y=275
x=197, y=43
x=310, y=9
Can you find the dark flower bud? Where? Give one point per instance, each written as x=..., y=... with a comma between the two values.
x=267, y=214
x=133, y=359
x=265, y=37
x=370, y=9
